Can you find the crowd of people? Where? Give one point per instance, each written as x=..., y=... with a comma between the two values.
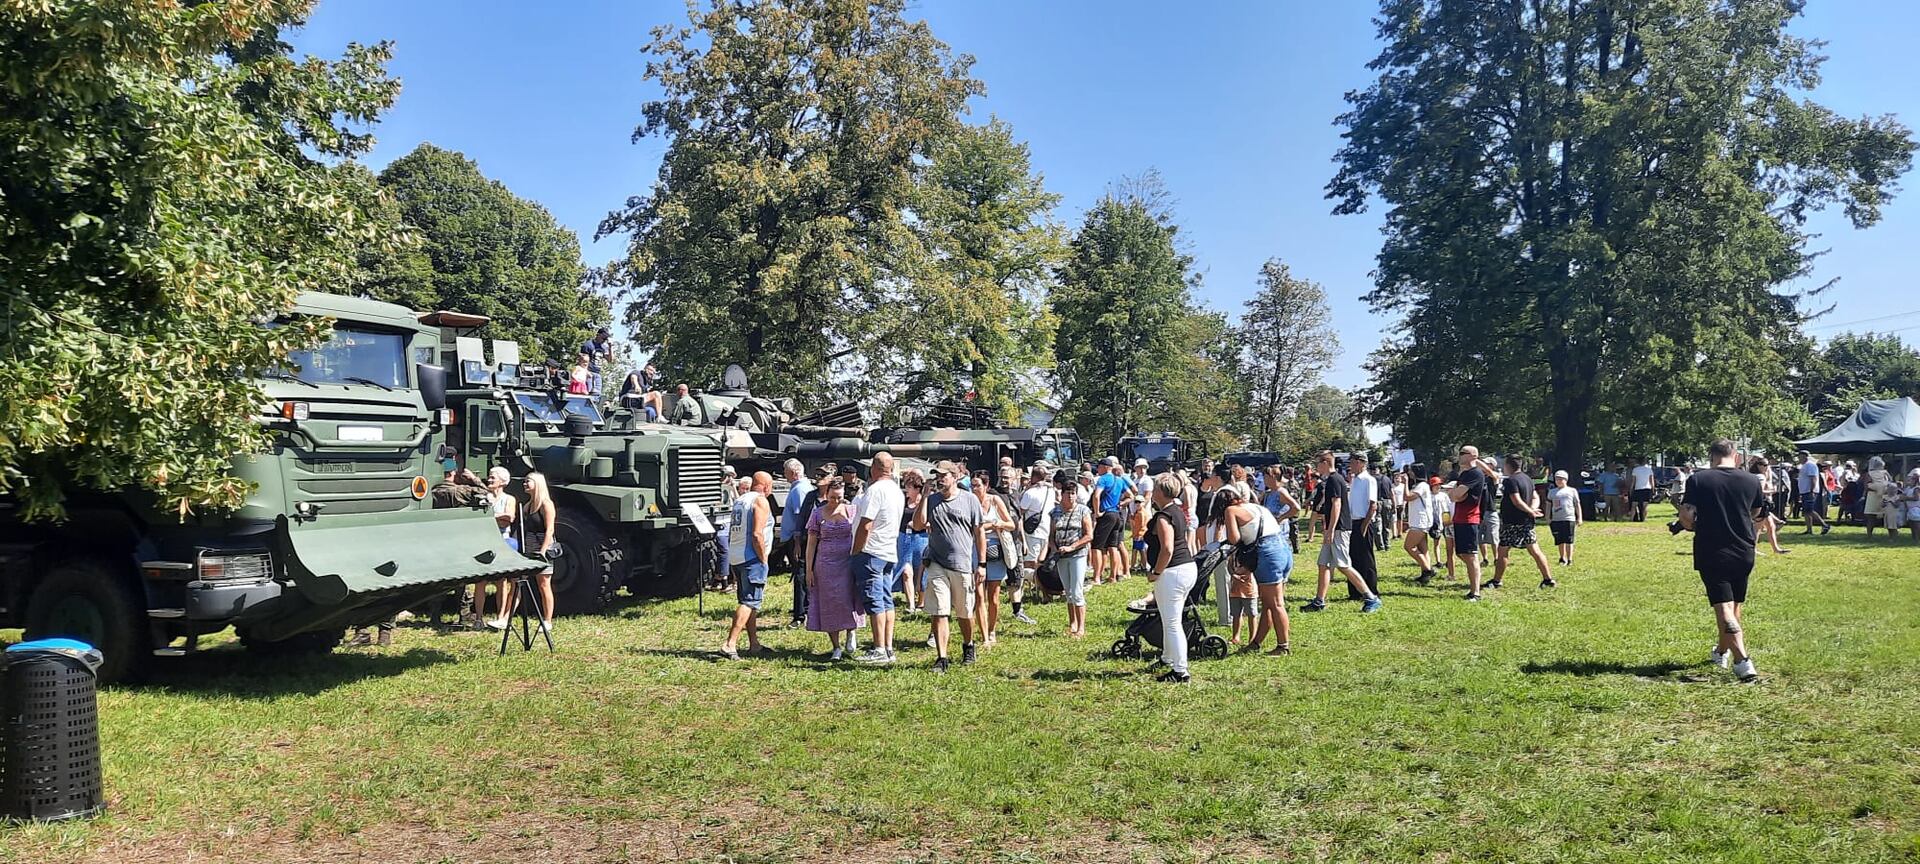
x=951, y=545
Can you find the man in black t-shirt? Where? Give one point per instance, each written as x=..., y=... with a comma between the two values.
x=1471, y=498
x=1330, y=501
x=1519, y=506
x=1720, y=507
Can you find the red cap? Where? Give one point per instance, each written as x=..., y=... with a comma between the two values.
x=1433, y=481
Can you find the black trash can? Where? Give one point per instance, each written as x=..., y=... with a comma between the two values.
x=50, y=741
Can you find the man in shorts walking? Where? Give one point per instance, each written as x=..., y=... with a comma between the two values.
x=1112, y=493
x=1720, y=507
x=1335, y=551
x=1468, y=492
x=1813, y=494
x=955, y=525
x=1519, y=507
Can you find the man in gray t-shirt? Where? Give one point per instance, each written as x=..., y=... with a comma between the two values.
x=956, y=558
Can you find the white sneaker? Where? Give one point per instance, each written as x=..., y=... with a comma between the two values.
x=497, y=623
x=836, y=655
x=1744, y=670
x=546, y=627
x=1719, y=659
x=871, y=655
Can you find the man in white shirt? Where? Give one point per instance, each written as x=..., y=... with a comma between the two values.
x=1642, y=489
x=1035, y=504
x=1363, y=501
x=876, y=543
x=1813, y=494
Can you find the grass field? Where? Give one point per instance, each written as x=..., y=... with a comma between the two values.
x=1581, y=724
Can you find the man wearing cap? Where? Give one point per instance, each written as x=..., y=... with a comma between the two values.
x=955, y=525
x=1813, y=494
x=1564, y=504
x=1112, y=492
x=876, y=544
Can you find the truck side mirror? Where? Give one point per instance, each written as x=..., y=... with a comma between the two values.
x=433, y=385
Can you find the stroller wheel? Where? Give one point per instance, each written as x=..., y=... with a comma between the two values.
x=1214, y=647
x=1124, y=649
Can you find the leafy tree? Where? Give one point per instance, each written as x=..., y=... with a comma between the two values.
x=485, y=251
x=1123, y=305
x=1853, y=367
x=1287, y=332
x=1592, y=205
x=794, y=133
x=167, y=187
x=978, y=321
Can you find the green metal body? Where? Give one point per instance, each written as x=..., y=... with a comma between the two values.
x=336, y=506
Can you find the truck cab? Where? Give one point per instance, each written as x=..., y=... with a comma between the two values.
x=635, y=501
x=336, y=529
x=1163, y=451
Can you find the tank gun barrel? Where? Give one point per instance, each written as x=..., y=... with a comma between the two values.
x=848, y=448
x=800, y=430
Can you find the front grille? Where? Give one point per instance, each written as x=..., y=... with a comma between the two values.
x=694, y=473
x=362, y=485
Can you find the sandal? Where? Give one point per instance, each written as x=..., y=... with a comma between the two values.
x=1282, y=650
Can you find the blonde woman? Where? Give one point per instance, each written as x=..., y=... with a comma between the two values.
x=1879, y=483
x=536, y=532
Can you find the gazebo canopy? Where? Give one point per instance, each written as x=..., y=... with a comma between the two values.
x=1877, y=426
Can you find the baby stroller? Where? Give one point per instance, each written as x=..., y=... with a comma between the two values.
x=1146, y=622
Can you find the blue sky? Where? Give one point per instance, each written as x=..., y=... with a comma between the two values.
x=1232, y=102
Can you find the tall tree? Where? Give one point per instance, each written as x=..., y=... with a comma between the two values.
x=794, y=130
x=979, y=322
x=167, y=187
x=486, y=251
x=1603, y=197
x=1130, y=348
x=1286, y=329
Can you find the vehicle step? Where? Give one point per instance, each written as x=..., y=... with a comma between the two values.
x=166, y=613
x=169, y=652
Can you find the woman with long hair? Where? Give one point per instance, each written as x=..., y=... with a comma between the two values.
x=1770, y=520
x=912, y=545
x=535, y=519
x=999, y=522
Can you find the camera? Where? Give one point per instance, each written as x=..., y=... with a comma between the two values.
x=1675, y=527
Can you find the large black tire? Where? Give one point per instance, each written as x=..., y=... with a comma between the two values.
x=683, y=568
x=583, y=574
x=95, y=602
x=313, y=642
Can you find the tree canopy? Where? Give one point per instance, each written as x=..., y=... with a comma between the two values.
x=1287, y=339
x=1593, y=206
x=168, y=186
x=795, y=133
x=1850, y=368
x=486, y=251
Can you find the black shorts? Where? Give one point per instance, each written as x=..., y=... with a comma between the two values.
x=1726, y=581
x=1642, y=496
x=1106, y=531
x=1466, y=539
x=1562, y=532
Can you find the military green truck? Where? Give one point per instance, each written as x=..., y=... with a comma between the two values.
x=636, y=502
x=1163, y=451
x=335, y=531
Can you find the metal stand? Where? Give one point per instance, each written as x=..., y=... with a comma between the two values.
x=529, y=614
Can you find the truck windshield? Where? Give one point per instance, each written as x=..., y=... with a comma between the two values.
x=355, y=357
x=1153, y=451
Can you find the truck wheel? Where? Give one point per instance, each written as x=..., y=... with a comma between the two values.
x=314, y=642
x=682, y=569
x=583, y=574
x=93, y=601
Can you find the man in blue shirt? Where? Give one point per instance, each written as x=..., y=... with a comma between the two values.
x=598, y=348
x=1609, y=481
x=1113, y=492
x=793, y=533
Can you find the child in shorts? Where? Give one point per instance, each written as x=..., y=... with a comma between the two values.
x=1240, y=599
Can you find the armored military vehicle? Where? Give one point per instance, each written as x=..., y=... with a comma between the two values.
x=954, y=423
x=335, y=531
x=636, y=501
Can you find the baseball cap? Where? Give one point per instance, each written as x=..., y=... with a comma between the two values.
x=1559, y=475
x=1139, y=463
x=945, y=467
x=1111, y=461
x=728, y=470
x=1434, y=480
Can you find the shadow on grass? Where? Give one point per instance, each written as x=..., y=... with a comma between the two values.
x=245, y=675
x=1083, y=674
x=1591, y=668
x=1848, y=536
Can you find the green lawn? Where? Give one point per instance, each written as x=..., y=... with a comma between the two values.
x=1581, y=724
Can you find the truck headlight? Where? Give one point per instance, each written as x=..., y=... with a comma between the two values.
x=250, y=567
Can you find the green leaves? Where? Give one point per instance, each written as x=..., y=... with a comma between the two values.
x=158, y=207
x=1593, y=206
x=483, y=250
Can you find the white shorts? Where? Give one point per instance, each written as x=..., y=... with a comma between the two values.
x=949, y=593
